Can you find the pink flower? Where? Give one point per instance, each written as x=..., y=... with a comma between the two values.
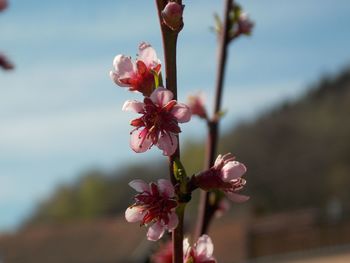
x=245, y=25
x=225, y=175
x=158, y=124
x=154, y=206
x=196, y=104
x=201, y=252
x=139, y=75
x=164, y=254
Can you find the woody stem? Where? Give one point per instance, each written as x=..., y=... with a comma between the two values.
x=169, y=38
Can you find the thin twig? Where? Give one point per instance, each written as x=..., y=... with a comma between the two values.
x=207, y=209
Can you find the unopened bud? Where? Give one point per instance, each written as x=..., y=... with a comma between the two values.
x=172, y=15
x=3, y=4
x=245, y=25
x=5, y=63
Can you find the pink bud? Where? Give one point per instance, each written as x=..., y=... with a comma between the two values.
x=225, y=175
x=245, y=25
x=5, y=63
x=197, y=105
x=172, y=15
x=3, y=4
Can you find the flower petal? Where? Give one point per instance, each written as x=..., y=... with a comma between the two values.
x=139, y=141
x=181, y=112
x=204, y=247
x=167, y=143
x=161, y=96
x=237, y=197
x=186, y=246
x=233, y=170
x=166, y=187
x=134, y=214
x=139, y=185
x=148, y=55
x=133, y=105
x=155, y=231
x=123, y=68
x=173, y=221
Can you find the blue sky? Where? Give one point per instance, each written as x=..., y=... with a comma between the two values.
x=60, y=114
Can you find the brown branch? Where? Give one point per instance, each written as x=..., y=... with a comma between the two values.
x=207, y=209
x=169, y=38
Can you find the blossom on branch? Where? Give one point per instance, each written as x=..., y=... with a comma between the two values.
x=225, y=175
x=139, y=75
x=158, y=124
x=245, y=25
x=172, y=15
x=201, y=252
x=154, y=207
x=5, y=63
x=196, y=103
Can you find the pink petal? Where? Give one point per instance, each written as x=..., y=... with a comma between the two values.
x=139, y=185
x=155, y=231
x=181, y=112
x=186, y=246
x=204, y=247
x=237, y=197
x=218, y=161
x=134, y=214
x=173, y=221
x=148, y=55
x=138, y=142
x=133, y=105
x=161, y=96
x=232, y=170
x=123, y=68
x=166, y=188
x=167, y=143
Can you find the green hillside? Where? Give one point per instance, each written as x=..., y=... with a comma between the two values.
x=298, y=155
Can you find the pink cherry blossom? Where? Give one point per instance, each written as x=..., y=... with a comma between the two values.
x=158, y=124
x=154, y=206
x=225, y=175
x=201, y=252
x=197, y=105
x=138, y=75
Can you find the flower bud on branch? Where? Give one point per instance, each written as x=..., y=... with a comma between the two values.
x=225, y=175
x=172, y=16
x=154, y=206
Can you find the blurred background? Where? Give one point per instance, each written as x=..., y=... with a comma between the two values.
x=65, y=159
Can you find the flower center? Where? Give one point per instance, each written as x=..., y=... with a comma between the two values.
x=156, y=206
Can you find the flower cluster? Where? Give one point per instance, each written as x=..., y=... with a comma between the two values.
x=154, y=207
x=158, y=124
